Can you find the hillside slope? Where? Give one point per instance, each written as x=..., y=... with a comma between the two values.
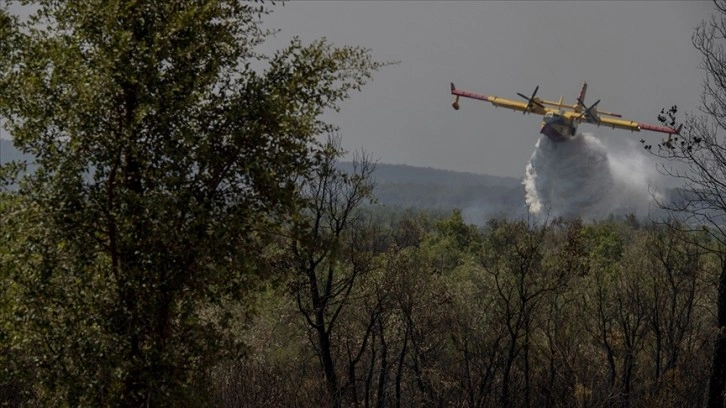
x=479, y=196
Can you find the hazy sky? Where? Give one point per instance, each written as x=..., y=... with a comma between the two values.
x=636, y=56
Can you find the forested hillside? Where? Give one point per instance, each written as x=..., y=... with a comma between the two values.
x=479, y=196
x=402, y=173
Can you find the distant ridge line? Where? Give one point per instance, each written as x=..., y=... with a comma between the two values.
x=388, y=172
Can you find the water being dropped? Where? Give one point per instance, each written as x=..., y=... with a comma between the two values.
x=580, y=178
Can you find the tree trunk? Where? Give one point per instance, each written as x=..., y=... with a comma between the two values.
x=399, y=370
x=383, y=377
x=326, y=357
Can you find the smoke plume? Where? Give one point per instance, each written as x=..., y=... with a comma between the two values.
x=578, y=178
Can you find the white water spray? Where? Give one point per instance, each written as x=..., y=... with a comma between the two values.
x=578, y=178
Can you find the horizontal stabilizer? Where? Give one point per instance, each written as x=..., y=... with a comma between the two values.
x=660, y=129
x=467, y=94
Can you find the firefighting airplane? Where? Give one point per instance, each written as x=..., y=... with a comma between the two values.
x=561, y=123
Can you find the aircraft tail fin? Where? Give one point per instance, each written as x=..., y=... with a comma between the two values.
x=581, y=98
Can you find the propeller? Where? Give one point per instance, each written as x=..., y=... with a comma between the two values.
x=530, y=100
x=588, y=111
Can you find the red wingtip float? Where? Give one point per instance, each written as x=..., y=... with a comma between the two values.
x=560, y=120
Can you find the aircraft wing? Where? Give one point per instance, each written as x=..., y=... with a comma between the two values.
x=510, y=104
x=618, y=123
x=537, y=107
x=629, y=125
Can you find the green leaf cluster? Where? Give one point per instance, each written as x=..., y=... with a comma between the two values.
x=169, y=152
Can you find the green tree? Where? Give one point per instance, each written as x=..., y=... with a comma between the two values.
x=168, y=149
